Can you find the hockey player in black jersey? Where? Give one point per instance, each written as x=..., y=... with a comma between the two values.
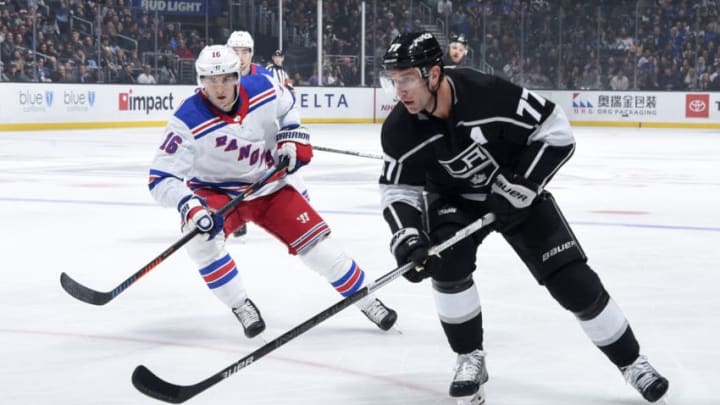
x=460, y=144
x=457, y=50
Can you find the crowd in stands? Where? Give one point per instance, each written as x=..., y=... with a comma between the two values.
x=62, y=46
x=665, y=45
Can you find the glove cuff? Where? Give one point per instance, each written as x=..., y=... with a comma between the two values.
x=400, y=236
x=297, y=135
x=518, y=191
x=189, y=205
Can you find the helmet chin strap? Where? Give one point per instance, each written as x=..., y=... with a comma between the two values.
x=237, y=94
x=434, y=95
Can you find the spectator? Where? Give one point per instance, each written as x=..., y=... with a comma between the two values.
x=41, y=73
x=146, y=43
x=59, y=75
x=86, y=76
x=444, y=9
x=126, y=75
x=17, y=72
x=166, y=75
x=298, y=80
x=3, y=76
x=182, y=51
x=146, y=77
x=7, y=49
x=691, y=80
x=134, y=60
x=619, y=81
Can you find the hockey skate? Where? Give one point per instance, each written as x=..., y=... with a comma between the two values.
x=470, y=375
x=250, y=318
x=644, y=378
x=380, y=315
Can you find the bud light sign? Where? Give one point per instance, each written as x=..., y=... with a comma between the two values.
x=179, y=7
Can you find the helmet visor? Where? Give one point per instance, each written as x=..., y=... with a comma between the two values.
x=393, y=81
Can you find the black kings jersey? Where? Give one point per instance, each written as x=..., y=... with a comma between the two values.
x=492, y=124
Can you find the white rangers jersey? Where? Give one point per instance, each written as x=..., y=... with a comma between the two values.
x=206, y=148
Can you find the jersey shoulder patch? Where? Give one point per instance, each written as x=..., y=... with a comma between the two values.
x=259, y=88
x=193, y=111
x=262, y=70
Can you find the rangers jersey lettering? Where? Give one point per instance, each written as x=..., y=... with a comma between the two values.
x=206, y=148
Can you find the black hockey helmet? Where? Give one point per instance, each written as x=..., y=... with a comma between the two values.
x=416, y=49
x=459, y=38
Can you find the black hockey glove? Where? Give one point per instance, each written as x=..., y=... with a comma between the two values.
x=411, y=245
x=510, y=200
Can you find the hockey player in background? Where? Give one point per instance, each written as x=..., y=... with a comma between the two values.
x=243, y=44
x=457, y=50
x=218, y=142
x=461, y=144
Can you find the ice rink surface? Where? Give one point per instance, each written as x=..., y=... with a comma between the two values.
x=644, y=204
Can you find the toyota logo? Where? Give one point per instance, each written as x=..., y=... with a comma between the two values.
x=697, y=106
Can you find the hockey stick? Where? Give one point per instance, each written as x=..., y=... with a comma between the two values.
x=150, y=384
x=95, y=297
x=347, y=152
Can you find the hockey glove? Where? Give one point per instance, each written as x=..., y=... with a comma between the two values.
x=411, y=245
x=510, y=200
x=194, y=213
x=294, y=145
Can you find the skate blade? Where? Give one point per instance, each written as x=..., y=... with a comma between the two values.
x=477, y=398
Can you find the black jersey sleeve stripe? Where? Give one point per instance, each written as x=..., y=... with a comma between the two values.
x=399, y=215
x=409, y=195
x=549, y=148
x=393, y=167
x=495, y=119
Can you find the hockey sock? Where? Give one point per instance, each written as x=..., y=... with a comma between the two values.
x=328, y=260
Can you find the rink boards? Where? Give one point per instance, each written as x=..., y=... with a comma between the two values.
x=42, y=106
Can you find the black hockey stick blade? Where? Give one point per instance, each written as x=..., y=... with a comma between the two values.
x=150, y=384
x=95, y=297
x=153, y=386
x=83, y=293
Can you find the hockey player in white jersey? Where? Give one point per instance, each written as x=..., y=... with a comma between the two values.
x=243, y=44
x=218, y=142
